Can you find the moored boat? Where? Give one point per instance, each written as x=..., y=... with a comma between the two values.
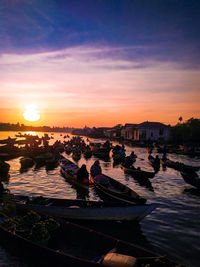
x=76, y=156
x=26, y=162
x=8, y=141
x=69, y=244
x=87, y=153
x=85, y=210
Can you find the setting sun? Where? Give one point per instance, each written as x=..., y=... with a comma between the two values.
x=31, y=113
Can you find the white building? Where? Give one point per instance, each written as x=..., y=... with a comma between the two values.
x=145, y=131
x=153, y=131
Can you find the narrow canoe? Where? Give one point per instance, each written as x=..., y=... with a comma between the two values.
x=111, y=188
x=179, y=166
x=69, y=170
x=139, y=173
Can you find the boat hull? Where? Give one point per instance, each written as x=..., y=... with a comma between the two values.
x=129, y=213
x=74, y=245
x=139, y=173
x=85, y=210
x=192, y=179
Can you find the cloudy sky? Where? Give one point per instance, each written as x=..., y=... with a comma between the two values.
x=100, y=62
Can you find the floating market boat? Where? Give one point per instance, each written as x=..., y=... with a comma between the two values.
x=111, y=188
x=50, y=242
x=179, y=166
x=138, y=173
x=69, y=170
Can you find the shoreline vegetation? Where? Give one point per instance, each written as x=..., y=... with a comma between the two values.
x=23, y=128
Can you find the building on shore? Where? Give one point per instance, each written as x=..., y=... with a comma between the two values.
x=146, y=131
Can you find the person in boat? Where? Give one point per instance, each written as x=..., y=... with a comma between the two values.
x=157, y=160
x=133, y=155
x=122, y=153
x=164, y=156
x=128, y=162
x=95, y=169
x=83, y=174
x=107, y=144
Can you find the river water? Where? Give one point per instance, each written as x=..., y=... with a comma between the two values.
x=172, y=229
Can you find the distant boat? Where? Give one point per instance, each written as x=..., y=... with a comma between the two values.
x=8, y=141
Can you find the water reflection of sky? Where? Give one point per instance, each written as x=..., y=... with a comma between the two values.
x=173, y=226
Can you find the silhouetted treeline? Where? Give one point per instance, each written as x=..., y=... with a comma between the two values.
x=22, y=127
x=187, y=132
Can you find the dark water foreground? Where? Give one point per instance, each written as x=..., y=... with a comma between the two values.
x=173, y=229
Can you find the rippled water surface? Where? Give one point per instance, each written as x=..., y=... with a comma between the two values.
x=172, y=229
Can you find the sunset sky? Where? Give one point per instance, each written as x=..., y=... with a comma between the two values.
x=99, y=62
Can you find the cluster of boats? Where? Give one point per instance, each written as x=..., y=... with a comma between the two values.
x=25, y=222
x=77, y=146
x=112, y=189
x=188, y=172
x=71, y=244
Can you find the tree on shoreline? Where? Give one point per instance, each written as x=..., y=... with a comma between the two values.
x=187, y=133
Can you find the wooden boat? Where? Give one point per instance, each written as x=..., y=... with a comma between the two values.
x=85, y=210
x=74, y=245
x=99, y=150
x=191, y=178
x=138, y=173
x=179, y=166
x=76, y=156
x=69, y=170
x=4, y=167
x=117, y=158
x=68, y=149
x=87, y=154
x=8, y=141
x=111, y=188
x=26, y=162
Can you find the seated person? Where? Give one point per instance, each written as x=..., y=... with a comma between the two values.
x=128, y=162
x=95, y=169
x=157, y=160
x=82, y=174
